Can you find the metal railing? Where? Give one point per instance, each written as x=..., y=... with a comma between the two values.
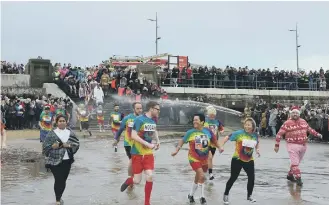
x=244, y=82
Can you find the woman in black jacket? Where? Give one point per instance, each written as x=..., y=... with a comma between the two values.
x=59, y=148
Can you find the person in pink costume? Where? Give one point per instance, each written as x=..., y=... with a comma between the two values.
x=296, y=131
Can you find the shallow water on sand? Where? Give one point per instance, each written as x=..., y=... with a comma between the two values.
x=98, y=173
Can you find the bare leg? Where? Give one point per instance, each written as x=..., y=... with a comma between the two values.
x=130, y=172
x=210, y=165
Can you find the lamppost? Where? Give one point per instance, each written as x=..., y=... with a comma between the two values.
x=156, y=32
x=297, y=46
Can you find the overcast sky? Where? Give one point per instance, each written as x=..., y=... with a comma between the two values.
x=213, y=33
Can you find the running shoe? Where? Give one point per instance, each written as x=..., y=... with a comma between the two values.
x=211, y=177
x=252, y=200
x=124, y=186
x=203, y=200
x=225, y=199
x=291, y=178
x=191, y=199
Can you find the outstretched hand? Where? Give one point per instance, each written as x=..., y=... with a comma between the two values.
x=276, y=149
x=157, y=146
x=258, y=153
x=115, y=143
x=174, y=153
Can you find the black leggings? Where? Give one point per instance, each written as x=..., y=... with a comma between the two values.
x=236, y=166
x=60, y=172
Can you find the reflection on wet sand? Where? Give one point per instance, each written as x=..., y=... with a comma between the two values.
x=295, y=191
x=99, y=171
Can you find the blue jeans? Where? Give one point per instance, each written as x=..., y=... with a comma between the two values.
x=273, y=129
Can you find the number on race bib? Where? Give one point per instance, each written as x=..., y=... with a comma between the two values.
x=201, y=142
x=249, y=143
x=47, y=119
x=130, y=124
x=149, y=127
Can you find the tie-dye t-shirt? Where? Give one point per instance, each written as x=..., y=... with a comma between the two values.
x=145, y=128
x=84, y=116
x=100, y=114
x=199, y=141
x=116, y=118
x=245, y=144
x=215, y=126
x=46, y=121
x=126, y=126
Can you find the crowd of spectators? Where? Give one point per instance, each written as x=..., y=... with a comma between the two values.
x=74, y=77
x=269, y=118
x=23, y=112
x=9, y=68
x=80, y=82
x=246, y=78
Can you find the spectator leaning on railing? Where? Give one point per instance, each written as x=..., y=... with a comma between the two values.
x=244, y=78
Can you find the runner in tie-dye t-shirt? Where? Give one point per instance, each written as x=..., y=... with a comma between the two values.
x=144, y=130
x=115, y=119
x=127, y=126
x=199, y=139
x=246, y=141
x=216, y=127
x=45, y=123
x=100, y=118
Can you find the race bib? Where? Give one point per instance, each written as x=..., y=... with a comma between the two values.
x=116, y=118
x=149, y=127
x=47, y=119
x=83, y=113
x=249, y=143
x=99, y=112
x=201, y=142
x=130, y=124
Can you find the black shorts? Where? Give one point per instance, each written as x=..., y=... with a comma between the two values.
x=212, y=150
x=85, y=125
x=128, y=148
